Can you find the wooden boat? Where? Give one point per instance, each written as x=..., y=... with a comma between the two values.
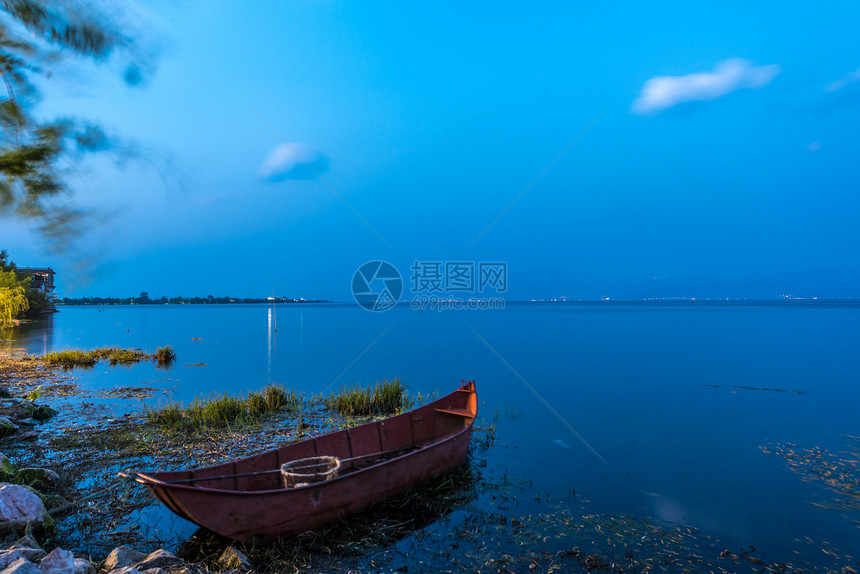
x=247, y=498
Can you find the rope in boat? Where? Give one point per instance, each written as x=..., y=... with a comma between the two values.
x=125, y=477
x=121, y=480
x=277, y=470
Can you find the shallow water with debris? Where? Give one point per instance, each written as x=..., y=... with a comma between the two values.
x=730, y=431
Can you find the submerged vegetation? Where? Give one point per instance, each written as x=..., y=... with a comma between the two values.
x=224, y=410
x=386, y=398
x=836, y=472
x=77, y=358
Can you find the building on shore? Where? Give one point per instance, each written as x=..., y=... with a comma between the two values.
x=43, y=277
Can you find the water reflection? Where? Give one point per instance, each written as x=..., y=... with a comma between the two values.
x=33, y=337
x=362, y=534
x=272, y=341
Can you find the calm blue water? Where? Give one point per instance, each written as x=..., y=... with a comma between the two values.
x=651, y=390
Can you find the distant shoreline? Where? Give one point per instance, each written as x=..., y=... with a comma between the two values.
x=105, y=301
x=811, y=302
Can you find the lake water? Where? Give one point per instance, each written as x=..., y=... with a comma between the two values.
x=653, y=411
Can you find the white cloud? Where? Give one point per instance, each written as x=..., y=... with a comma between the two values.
x=842, y=82
x=663, y=92
x=283, y=162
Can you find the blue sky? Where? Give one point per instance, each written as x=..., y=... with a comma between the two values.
x=712, y=144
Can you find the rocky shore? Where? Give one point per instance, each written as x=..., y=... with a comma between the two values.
x=27, y=524
x=25, y=556
x=24, y=519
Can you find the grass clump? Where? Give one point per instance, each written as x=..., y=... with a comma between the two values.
x=221, y=410
x=71, y=358
x=122, y=356
x=165, y=355
x=115, y=355
x=271, y=399
x=386, y=398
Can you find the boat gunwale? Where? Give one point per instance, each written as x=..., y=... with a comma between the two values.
x=149, y=481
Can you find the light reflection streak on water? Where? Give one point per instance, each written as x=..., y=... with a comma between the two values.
x=272, y=339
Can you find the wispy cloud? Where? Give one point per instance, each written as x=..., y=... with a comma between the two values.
x=277, y=158
x=296, y=161
x=663, y=92
x=842, y=82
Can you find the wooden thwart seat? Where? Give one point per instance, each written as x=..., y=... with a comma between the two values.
x=459, y=412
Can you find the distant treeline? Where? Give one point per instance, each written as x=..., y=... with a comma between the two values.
x=143, y=299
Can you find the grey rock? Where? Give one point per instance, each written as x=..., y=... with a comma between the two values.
x=161, y=558
x=59, y=561
x=123, y=570
x=84, y=566
x=233, y=559
x=21, y=566
x=154, y=571
x=30, y=422
x=9, y=556
x=122, y=556
x=41, y=478
x=7, y=427
x=18, y=504
x=43, y=413
x=29, y=435
x=7, y=471
x=26, y=542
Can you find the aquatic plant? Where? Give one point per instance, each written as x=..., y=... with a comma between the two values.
x=387, y=397
x=271, y=399
x=71, y=358
x=122, y=356
x=165, y=355
x=484, y=434
x=221, y=410
x=115, y=355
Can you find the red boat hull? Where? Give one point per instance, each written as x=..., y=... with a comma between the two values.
x=427, y=441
